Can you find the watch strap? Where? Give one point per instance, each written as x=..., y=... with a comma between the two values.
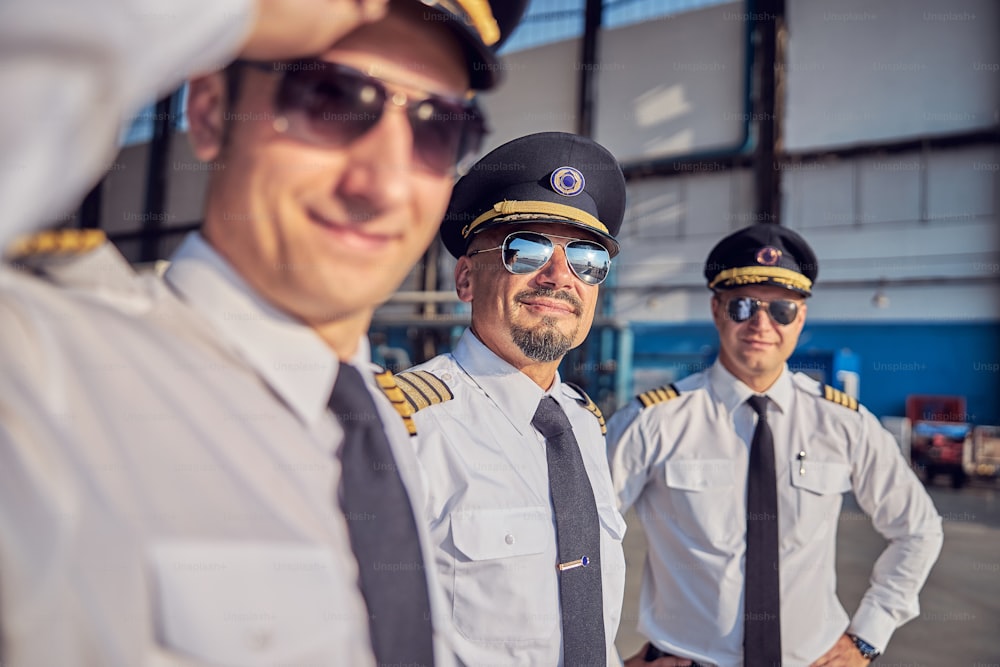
x=868, y=651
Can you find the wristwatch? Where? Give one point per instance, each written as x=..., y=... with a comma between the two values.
x=868, y=651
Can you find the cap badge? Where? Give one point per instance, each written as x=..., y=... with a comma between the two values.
x=567, y=181
x=768, y=255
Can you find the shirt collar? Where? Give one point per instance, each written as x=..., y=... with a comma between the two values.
x=514, y=393
x=733, y=392
x=298, y=366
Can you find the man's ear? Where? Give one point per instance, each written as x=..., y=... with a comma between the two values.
x=464, y=279
x=717, y=312
x=206, y=105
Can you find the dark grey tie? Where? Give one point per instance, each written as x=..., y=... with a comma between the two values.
x=578, y=533
x=762, y=609
x=383, y=530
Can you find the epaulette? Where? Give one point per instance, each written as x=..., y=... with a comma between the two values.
x=590, y=405
x=422, y=389
x=55, y=243
x=658, y=395
x=839, y=397
x=387, y=383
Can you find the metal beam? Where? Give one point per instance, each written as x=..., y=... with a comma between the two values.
x=769, y=26
x=593, y=17
x=154, y=206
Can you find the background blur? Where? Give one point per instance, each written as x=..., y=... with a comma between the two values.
x=871, y=127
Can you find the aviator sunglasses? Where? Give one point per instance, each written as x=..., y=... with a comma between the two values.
x=329, y=104
x=742, y=308
x=527, y=252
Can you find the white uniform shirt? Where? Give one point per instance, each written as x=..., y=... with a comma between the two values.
x=71, y=71
x=490, y=513
x=169, y=475
x=683, y=463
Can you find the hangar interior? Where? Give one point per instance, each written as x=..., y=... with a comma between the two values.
x=872, y=128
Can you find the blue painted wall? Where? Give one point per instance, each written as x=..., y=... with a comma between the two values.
x=894, y=360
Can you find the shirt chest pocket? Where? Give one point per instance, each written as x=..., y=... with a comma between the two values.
x=700, y=496
x=505, y=583
x=250, y=604
x=819, y=488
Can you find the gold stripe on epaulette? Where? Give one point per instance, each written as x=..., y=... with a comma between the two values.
x=588, y=403
x=422, y=389
x=56, y=242
x=597, y=413
x=658, y=395
x=840, y=398
x=387, y=383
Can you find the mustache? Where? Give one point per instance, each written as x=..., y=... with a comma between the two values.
x=551, y=294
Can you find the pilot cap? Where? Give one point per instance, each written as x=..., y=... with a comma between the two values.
x=549, y=177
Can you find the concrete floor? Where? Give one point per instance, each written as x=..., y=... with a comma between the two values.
x=959, y=624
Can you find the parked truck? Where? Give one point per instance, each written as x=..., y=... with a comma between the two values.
x=944, y=442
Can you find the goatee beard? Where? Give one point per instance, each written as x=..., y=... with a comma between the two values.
x=542, y=343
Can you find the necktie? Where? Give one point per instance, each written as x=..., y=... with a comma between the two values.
x=382, y=529
x=578, y=534
x=762, y=620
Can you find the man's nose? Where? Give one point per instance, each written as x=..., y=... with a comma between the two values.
x=556, y=272
x=379, y=165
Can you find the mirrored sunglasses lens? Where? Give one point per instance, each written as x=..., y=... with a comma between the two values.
x=526, y=253
x=330, y=104
x=590, y=262
x=783, y=311
x=741, y=309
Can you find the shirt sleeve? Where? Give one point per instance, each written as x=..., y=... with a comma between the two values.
x=629, y=454
x=72, y=70
x=903, y=513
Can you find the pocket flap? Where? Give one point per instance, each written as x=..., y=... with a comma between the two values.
x=821, y=477
x=500, y=533
x=243, y=603
x=695, y=475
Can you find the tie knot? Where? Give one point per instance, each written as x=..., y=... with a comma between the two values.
x=549, y=419
x=759, y=405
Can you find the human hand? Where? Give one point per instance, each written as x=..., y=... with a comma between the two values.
x=286, y=29
x=843, y=654
x=639, y=660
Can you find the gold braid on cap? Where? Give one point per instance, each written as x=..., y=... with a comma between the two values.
x=480, y=15
x=749, y=275
x=538, y=207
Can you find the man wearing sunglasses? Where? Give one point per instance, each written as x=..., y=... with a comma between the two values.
x=738, y=472
x=204, y=468
x=519, y=501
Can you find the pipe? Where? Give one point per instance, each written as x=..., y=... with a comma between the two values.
x=624, y=368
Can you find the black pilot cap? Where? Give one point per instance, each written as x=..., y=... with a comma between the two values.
x=481, y=26
x=762, y=254
x=546, y=177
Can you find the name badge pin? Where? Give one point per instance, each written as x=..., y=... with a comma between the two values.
x=802, y=462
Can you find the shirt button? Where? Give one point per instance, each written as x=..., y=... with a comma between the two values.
x=446, y=377
x=509, y=539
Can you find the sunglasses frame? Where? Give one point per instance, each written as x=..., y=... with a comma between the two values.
x=756, y=304
x=552, y=251
x=288, y=103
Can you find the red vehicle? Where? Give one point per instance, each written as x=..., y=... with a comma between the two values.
x=941, y=437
